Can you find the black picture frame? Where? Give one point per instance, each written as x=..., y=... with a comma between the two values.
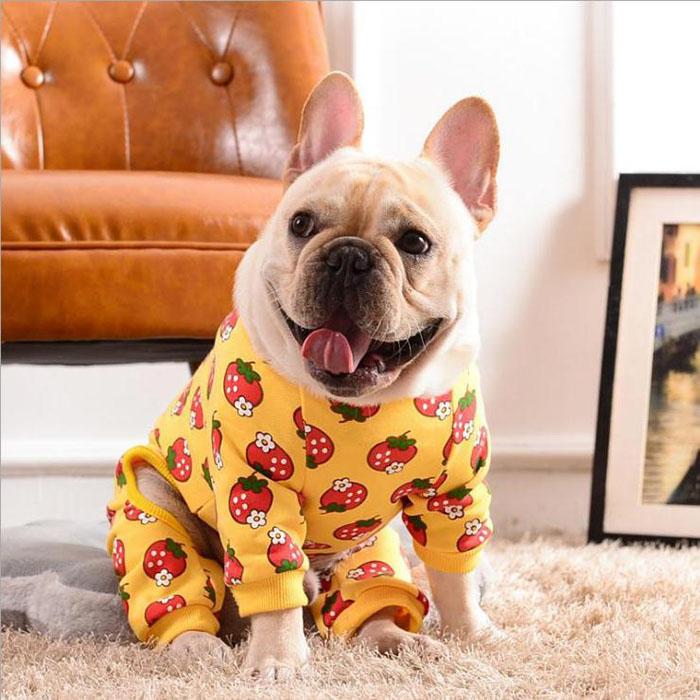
x=626, y=184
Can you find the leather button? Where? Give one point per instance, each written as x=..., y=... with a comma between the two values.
x=33, y=77
x=121, y=71
x=221, y=73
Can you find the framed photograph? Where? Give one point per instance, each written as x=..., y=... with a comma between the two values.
x=646, y=472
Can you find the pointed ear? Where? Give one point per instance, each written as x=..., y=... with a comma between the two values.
x=464, y=143
x=331, y=119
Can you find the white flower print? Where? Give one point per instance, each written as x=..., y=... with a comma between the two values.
x=163, y=578
x=473, y=526
x=394, y=468
x=342, y=485
x=265, y=442
x=468, y=429
x=429, y=492
x=454, y=512
x=226, y=333
x=354, y=573
x=146, y=518
x=243, y=406
x=277, y=536
x=256, y=519
x=443, y=410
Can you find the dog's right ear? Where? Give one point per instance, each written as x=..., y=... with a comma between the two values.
x=331, y=119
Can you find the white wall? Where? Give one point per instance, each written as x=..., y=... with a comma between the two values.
x=543, y=290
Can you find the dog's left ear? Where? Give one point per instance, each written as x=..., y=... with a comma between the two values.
x=332, y=118
x=465, y=144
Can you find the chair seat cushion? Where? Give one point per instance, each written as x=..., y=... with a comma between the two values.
x=102, y=255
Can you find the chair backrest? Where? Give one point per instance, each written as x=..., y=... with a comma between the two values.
x=212, y=87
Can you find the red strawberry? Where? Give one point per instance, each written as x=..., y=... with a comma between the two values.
x=423, y=600
x=343, y=495
x=216, y=439
x=319, y=446
x=463, y=421
x=370, y=569
x=416, y=528
x=452, y=503
x=210, y=378
x=233, y=569
x=179, y=460
x=227, y=325
x=124, y=597
x=242, y=387
x=434, y=406
x=162, y=607
x=282, y=553
x=447, y=449
x=356, y=530
x=326, y=581
x=119, y=474
x=356, y=413
x=475, y=534
x=391, y=455
x=480, y=451
x=133, y=513
x=164, y=561
x=181, y=400
x=196, y=412
x=249, y=501
x=110, y=514
x=310, y=544
x=413, y=486
x=207, y=474
x=267, y=457
x=209, y=591
x=119, y=557
x=332, y=607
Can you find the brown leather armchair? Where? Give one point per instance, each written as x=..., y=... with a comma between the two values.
x=142, y=144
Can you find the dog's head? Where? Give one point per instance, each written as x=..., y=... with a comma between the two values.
x=362, y=284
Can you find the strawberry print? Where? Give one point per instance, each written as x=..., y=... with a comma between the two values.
x=227, y=325
x=267, y=457
x=233, y=569
x=353, y=531
x=196, y=411
x=181, y=400
x=209, y=591
x=343, y=495
x=162, y=607
x=463, y=421
x=156, y=436
x=119, y=475
x=206, y=473
x=119, y=557
x=249, y=501
x=164, y=561
x=216, y=439
x=480, y=451
x=370, y=569
x=310, y=544
x=124, y=597
x=212, y=372
x=423, y=600
x=410, y=487
x=350, y=413
x=452, y=503
x=131, y=512
x=319, y=446
x=179, y=460
x=392, y=454
x=282, y=553
x=475, y=534
x=332, y=607
x=434, y=406
x=325, y=581
x=416, y=528
x=242, y=387
x=110, y=515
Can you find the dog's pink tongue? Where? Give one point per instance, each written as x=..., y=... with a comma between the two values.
x=335, y=351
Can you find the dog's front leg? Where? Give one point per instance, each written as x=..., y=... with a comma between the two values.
x=277, y=647
x=458, y=600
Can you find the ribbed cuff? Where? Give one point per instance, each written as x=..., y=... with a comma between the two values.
x=449, y=562
x=282, y=592
x=191, y=618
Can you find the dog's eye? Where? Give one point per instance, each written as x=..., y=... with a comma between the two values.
x=413, y=242
x=302, y=225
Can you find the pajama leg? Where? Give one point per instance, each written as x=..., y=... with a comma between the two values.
x=372, y=578
x=166, y=587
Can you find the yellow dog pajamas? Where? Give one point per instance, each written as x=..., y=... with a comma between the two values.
x=285, y=476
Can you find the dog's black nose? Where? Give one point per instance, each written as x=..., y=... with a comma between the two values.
x=347, y=261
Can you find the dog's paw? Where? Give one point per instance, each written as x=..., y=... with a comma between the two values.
x=199, y=645
x=276, y=662
x=384, y=636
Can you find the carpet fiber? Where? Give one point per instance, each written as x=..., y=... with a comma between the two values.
x=594, y=621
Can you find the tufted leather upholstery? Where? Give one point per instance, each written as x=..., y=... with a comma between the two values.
x=207, y=93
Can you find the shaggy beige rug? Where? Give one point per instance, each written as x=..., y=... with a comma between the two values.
x=594, y=621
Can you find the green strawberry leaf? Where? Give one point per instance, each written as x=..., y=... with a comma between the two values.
x=247, y=371
x=459, y=493
x=334, y=508
x=171, y=458
x=329, y=603
x=286, y=565
x=311, y=462
x=207, y=475
x=175, y=548
x=400, y=442
x=121, y=479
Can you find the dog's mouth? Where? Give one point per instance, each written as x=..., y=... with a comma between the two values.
x=348, y=361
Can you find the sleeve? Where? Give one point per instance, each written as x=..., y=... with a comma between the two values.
x=450, y=522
